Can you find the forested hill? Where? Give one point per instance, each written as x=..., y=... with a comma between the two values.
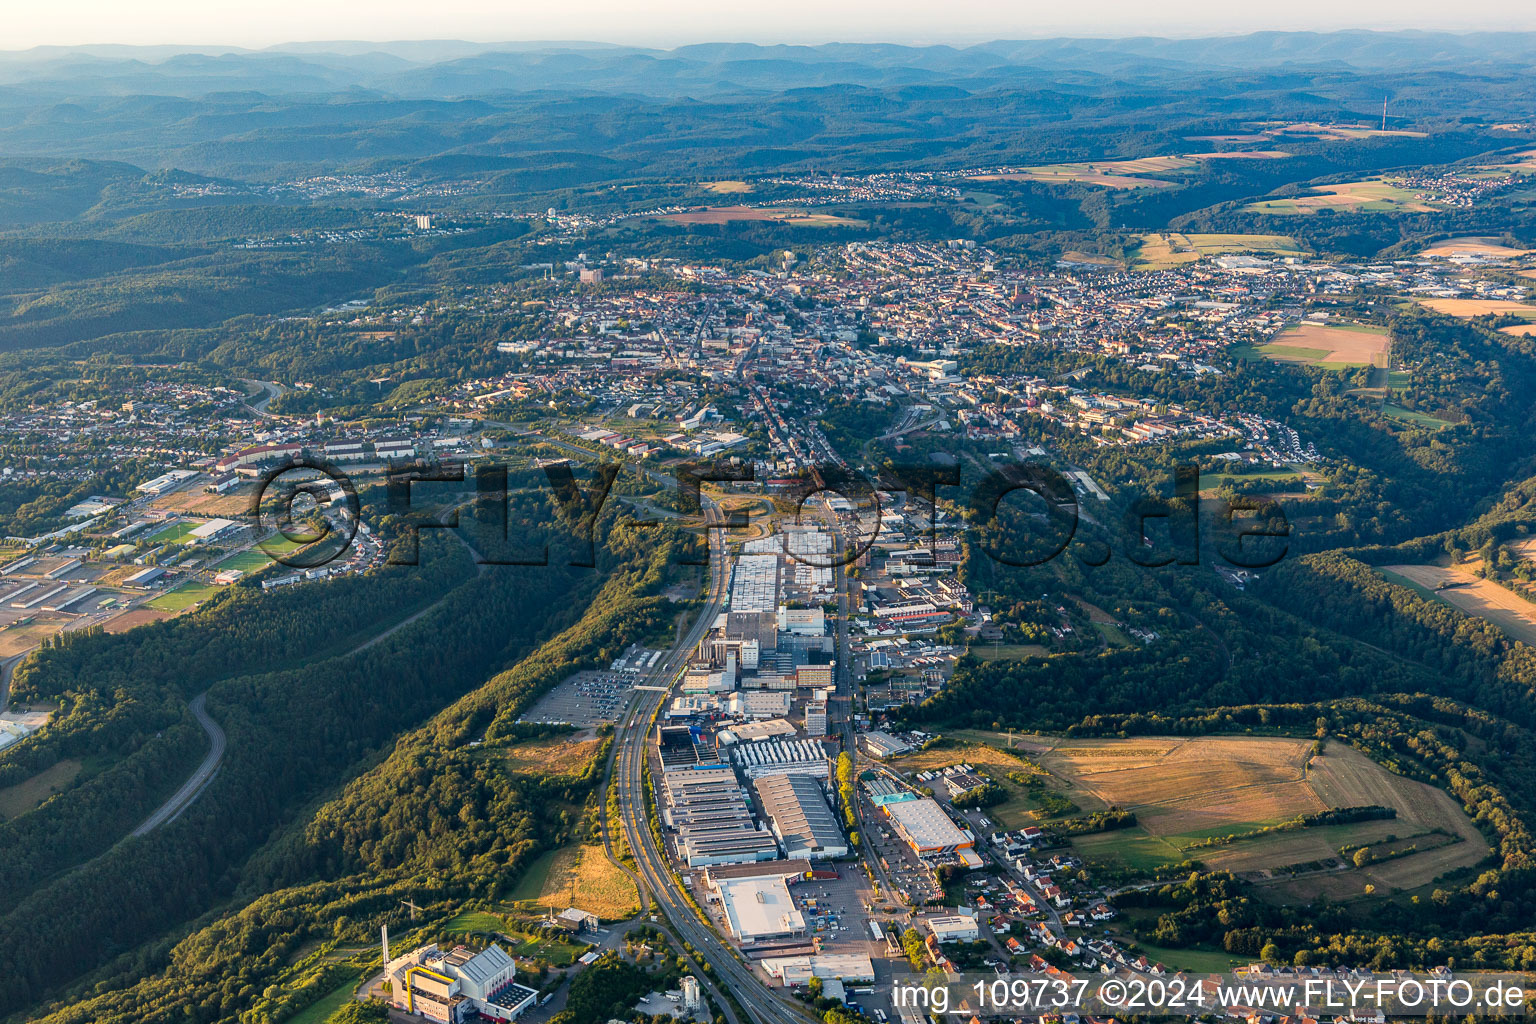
x=271, y=829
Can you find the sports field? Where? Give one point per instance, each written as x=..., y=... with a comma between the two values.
x=1473, y=595
x=1370, y=196
x=184, y=596
x=1187, y=791
x=1162, y=250
x=247, y=561
x=176, y=533
x=1330, y=346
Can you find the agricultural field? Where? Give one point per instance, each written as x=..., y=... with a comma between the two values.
x=1473, y=246
x=728, y=187
x=1139, y=173
x=1470, y=594
x=1467, y=309
x=1418, y=419
x=1330, y=346
x=1187, y=791
x=1316, y=130
x=1160, y=251
x=1369, y=196
x=781, y=215
x=1520, y=163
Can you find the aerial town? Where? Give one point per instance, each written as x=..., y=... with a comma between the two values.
x=814, y=838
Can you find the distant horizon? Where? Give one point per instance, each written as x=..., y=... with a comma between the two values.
x=281, y=24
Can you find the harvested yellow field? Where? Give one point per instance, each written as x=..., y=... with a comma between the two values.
x=1372, y=195
x=1189, y=785
x=1187, y=791
x=728, y=187
x=1330, y=345
x=1482, y=598
x=1244, y=154
x=1473, y=246
x=1169, y=249
x=583, y=876
x=1469, y=308
x=992, y=761
x=1519, y=330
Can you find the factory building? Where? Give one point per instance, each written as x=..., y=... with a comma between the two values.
x=798, y=812
x=882, y=745
x=714, y=825
x=457, y=985
x=781, y=757
x=753, y=614
x=759, y=909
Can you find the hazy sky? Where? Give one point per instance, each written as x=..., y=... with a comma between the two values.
x=266, y=22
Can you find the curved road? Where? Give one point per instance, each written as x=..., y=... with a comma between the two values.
x=271, y=390
x=194, y=786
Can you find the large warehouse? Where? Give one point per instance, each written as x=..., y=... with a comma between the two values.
x=800, y=816
x=922, y=823
x=713, y=822
x=759, y=909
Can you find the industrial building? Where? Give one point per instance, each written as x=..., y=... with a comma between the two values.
x=713, y=823
x=759, y=909
x=753, y=614
x=759, y=704
x=798, y=812
x=882, y=745
x=145, y=578
x=454, y=986
x=782, y=757
x=923, y=825
x=798, y=970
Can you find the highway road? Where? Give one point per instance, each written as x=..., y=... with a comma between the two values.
x=198, y=781
x=656, y=881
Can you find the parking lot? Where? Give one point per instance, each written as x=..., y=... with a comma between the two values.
x=586, y=699
x=911, y=876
